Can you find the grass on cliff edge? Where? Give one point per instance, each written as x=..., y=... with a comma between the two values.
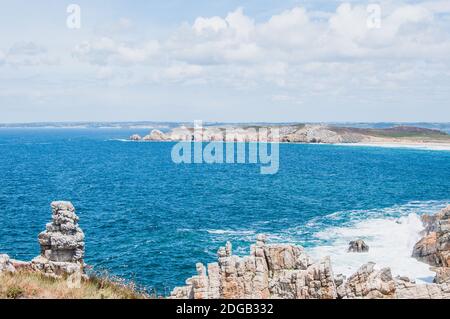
x=33, y=285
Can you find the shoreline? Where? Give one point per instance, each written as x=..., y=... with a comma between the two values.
x=426, y=146
x=431, y=146
x=283, y=270
x=287, y=271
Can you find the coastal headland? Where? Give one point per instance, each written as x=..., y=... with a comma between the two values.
x=396, y=136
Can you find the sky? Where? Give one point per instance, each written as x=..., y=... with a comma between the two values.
x=226, y=61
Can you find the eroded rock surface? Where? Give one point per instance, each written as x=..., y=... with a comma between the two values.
x=62, y=243
x=434, y=248
x=370, y=283
x=286, y=271
x=6, y=264
x=271, y=271
x=135, y=137
x=410, y=290
x=156, y=135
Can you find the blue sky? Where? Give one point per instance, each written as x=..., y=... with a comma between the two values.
x=220, y=60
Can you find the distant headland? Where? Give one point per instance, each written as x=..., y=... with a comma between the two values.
x=401, y=135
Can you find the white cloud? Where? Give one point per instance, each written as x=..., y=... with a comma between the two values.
x=26, y=48
x=27, y=54
x=204, y=25
x=2, y=57
x=285, y=98
x=179, y=72
x=296, y=48
x=105, y=51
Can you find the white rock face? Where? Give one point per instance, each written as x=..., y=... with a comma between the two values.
x=135, y=137
x=307, y=134
x=6, y=264
x=156, y=136
x=62, y=243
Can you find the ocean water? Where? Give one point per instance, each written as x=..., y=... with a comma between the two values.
x=149, y=220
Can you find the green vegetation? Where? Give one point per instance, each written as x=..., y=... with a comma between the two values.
x=34, y=285
x=405, y=132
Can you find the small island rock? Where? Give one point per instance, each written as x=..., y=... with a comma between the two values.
x=358, y=246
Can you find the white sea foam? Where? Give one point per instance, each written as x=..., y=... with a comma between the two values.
x=391, y=241
x=118, y=140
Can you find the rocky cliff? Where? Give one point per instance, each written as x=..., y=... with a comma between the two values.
x=62, y=246
x=434, y=247
x=294, y=134
x=286, y=271
x=270, y=271
x=301, y=133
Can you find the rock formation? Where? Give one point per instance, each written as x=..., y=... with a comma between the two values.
x=434, y=248
x=442, y=275
x=135, y=137
x=6, y=264
x=297, y=134
x=358, y=246
x=370, y=284
x=62, y=243
x=286, y=271
x=271, y=271
x=157, y=136
x=314, y=134
x=406, y=289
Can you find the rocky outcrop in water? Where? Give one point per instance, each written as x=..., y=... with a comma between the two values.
x=62, y=243
x=358, y=246
x=135, y=137
x=434, y=248
x=271, y=271
x=286, y=271
x=157, y=136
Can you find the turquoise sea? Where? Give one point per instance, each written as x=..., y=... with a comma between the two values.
x=150, y=220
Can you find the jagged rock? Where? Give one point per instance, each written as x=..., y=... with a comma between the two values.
x=430, y=222
x=21, y=265
x=425, y=249
x=271, y=271
x=358, y=246
x=62, y=243
x=314, y=134
x=442, y=275
x=135, y=137
x=434, y=248
x=369, y=283
x=410, y=290
x=156, y=135
x=6, y=264
x=339, y=281
x=182, y=133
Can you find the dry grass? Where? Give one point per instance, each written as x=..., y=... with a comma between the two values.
x=33, y=285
